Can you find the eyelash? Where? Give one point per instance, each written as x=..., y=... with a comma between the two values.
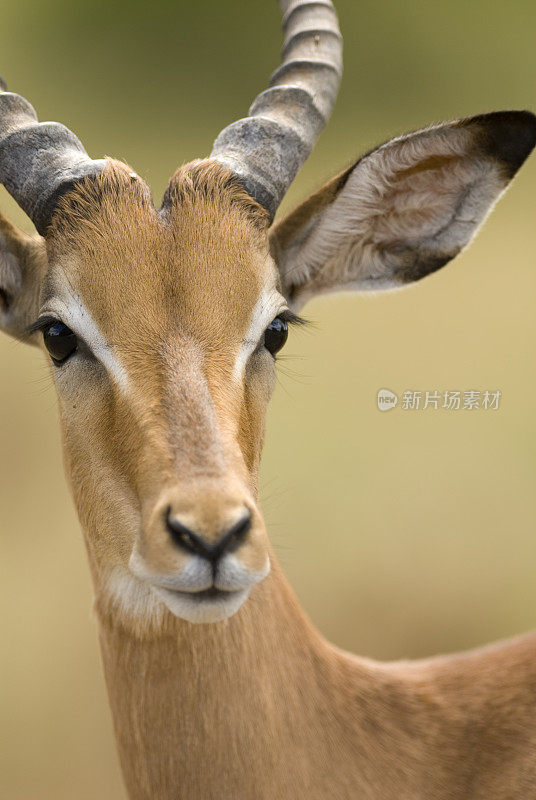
x=41, y=324
x=291, y=318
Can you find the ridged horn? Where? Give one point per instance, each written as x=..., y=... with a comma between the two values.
x=39, y=161
x=267, y=148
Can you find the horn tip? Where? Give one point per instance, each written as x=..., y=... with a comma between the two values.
x=3, y=85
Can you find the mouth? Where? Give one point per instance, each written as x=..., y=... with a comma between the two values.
x=209, y=605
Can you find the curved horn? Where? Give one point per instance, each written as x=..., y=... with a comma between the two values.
x=39, y=161
x=267, y=148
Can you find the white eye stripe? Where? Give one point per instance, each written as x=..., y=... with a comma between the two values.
x=72, y=312
x=269, y=305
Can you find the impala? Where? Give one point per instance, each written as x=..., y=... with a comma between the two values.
x=161, y=327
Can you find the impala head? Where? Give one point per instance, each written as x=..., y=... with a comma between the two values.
x=161, y=327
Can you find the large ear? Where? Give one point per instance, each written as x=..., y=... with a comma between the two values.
x=404, y=209
x=22, y=267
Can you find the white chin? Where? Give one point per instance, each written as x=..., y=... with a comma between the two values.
x=198, y=608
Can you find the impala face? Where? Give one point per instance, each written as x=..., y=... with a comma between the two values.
x=162, y=327
x=162, y=331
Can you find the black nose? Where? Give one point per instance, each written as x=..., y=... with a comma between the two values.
x=214, y=547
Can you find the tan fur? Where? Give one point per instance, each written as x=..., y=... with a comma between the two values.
x=259, y=705
x=148, y=282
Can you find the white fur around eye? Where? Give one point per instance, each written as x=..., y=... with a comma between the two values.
x=73, y=313
x=269, y=305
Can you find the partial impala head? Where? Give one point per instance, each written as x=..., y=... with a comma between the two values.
x=162, y=326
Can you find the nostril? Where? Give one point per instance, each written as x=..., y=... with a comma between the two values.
x=237, y=534
x=212, y=549
x=180, y=534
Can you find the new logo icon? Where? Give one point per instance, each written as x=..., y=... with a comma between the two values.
x=386, y=399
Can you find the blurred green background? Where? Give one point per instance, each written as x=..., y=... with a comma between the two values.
x=404, y=534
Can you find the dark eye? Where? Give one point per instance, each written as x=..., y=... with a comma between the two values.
x=276, y=335
x=60, y=342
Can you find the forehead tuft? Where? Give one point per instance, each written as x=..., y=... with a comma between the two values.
x=100, y=197
x=198, y=265
x=209, y=181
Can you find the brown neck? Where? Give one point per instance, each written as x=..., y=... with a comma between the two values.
x=190, y=701
x=260, y=706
